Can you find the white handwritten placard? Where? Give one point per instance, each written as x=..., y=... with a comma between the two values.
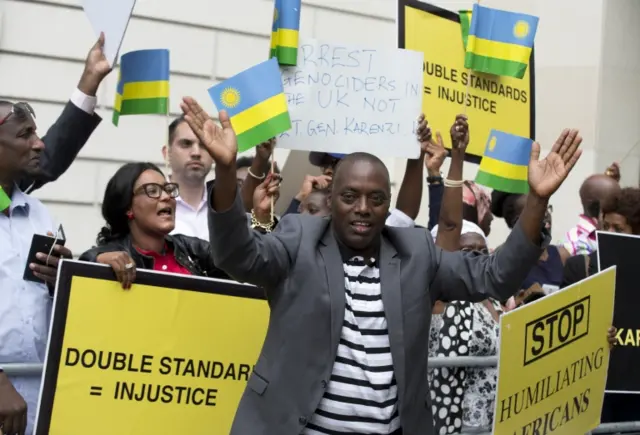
x=345, y=99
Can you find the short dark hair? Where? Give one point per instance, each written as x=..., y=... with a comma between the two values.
x=173, y=126
x=360, y=157
x=626, y=204
x=118, y=197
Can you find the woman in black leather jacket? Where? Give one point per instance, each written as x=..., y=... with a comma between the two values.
x=139, y=209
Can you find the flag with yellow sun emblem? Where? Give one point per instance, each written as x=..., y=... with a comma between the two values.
x=255, y=102
x=499, y=42
x=505, y=163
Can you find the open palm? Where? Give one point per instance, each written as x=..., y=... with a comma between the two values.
x=220, y=142
x=546, y=175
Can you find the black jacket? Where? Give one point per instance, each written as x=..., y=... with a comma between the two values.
x=190, y=252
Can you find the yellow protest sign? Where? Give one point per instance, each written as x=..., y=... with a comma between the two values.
x=554, y=358
x=171, y=355
x=493, y=102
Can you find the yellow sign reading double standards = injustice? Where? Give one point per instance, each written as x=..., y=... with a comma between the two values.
x=554, y=358
x=171, y=355
x=491, y=102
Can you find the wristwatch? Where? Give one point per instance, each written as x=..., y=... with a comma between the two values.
x=434, y=179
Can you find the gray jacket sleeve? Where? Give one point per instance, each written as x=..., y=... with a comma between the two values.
x=474, y=277
x=249, y=256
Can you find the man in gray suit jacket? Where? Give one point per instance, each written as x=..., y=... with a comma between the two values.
x=346, y=347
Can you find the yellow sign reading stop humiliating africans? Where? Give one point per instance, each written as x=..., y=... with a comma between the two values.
x=493, y=102
x=554, y=358
x=171, y=355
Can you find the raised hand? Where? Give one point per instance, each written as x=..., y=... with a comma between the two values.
x=546, y=175
x=220, y=142
x=460, y=133
x=265, y=149
x=96, y=68
x=435, y=155
x=423, y=131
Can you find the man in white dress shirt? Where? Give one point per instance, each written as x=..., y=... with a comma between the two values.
x=27, y=163
x=190, y=164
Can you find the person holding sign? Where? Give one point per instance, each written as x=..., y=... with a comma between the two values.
x=344, y=288
x=28, y=162
x=139, y=209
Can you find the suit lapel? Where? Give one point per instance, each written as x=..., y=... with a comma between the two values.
x=392, y=300
x=335, y=281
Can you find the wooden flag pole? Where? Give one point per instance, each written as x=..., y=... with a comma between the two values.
x=273, y=171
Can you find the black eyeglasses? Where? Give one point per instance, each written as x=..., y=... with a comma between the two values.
x=154, y=190
x=21, y=110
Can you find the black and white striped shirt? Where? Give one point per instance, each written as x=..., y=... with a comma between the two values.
x=362, y=395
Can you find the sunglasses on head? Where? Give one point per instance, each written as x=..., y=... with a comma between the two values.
x=21, y=110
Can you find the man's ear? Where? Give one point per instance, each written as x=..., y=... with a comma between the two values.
x=165, y=152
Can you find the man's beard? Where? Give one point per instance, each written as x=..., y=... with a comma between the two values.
x=195, y=176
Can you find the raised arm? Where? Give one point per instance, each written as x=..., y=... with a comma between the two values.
x=461, y=276
x=75, y=125
x=410, y=193
x=246, y=255
x=450, y=221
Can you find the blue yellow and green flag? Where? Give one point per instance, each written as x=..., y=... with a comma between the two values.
x=255, y=102
x=500, y=42
x=274, y=29
x=505, y=163
x=5, y=201
x=143, y=84
x=285, y=31
x=465, y=25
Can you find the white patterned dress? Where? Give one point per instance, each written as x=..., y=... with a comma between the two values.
x=463, y=396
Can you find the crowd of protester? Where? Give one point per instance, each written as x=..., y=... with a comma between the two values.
x=172, y=223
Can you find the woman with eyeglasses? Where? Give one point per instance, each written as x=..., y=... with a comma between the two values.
x=139, y=209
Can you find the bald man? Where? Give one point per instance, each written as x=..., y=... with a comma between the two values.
x=596, y=192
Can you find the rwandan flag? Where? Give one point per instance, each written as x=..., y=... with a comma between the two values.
x=505, y=163
x=500, y=42
x=5, y=201
x=255, y=102
x=143, y=85
x=465, y=25
x=285, y=31
x=274, y=29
